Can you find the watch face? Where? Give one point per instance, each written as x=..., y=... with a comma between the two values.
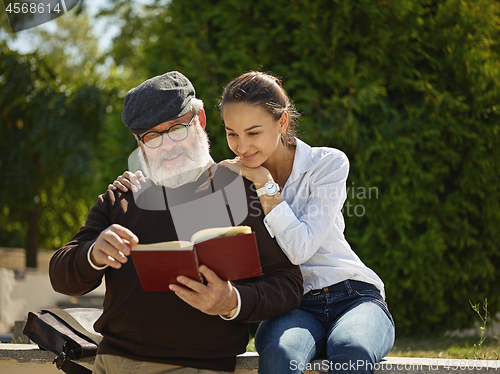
x=271, y=188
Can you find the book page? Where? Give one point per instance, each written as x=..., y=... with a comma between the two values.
x=216, y=232
x=164, y=246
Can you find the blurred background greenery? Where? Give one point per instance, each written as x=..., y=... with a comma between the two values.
x=408, y=89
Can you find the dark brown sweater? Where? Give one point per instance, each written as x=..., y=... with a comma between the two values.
x=158, y=326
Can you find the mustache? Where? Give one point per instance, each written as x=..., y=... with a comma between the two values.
x=173, y=153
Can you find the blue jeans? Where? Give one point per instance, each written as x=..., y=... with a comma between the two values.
x=352, y=329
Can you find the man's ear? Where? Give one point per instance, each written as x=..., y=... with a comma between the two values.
x=202, y=118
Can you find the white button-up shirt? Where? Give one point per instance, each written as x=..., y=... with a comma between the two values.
x=309, y=225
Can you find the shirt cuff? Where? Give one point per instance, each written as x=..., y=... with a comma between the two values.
x=225, y=318
x=279, y=218
x=90, y=261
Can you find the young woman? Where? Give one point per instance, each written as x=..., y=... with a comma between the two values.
x=343, y=316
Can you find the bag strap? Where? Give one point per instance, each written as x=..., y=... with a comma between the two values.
x=74, y=324
x=70, y=367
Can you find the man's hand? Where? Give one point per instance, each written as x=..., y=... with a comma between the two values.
x=112, y=246
x=217, y=297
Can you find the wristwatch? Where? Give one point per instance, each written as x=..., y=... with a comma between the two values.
x=271, y=188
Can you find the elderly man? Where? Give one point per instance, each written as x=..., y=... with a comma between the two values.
x=199, y=327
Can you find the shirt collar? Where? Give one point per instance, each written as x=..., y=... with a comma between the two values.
x=302, y=161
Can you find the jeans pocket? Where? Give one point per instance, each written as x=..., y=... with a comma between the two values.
x=376, y=298
x=369, y=293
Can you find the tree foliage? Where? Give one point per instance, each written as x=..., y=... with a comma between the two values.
x=408, y=89
x=49, y=124
x=60, y=133
x=62, y=137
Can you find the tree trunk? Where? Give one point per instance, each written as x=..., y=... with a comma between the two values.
x=35, y=215
x=32, y=236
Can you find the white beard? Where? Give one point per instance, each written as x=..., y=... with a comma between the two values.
x=191, y=165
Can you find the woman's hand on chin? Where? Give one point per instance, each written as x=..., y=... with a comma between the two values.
x=259, y=175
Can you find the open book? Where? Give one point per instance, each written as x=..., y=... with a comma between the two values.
x=231, y=252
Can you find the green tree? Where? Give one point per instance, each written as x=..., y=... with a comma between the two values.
x=49, y=124
x=58, y=91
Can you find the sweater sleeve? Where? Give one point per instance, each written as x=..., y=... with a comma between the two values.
x=279, y=290
x=300, y=237
x=70, y=271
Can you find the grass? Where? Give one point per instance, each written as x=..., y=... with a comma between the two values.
x=251, y=346
x=444, y=347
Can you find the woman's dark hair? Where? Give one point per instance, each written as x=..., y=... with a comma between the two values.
x=265, y=90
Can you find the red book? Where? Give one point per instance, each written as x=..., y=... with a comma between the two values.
x=231, y=252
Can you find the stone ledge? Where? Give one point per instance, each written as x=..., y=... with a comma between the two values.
x=28, y=358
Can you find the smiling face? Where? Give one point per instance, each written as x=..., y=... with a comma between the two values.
x=252, y=132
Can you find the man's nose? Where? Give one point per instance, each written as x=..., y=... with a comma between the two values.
x=167, y=143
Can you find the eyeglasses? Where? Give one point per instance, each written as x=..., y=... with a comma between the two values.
x=177, y=133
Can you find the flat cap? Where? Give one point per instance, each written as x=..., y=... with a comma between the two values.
x=157, y=100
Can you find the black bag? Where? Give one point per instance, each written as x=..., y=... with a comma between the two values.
x=69, y=333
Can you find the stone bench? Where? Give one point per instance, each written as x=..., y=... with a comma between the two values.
x=29, y=359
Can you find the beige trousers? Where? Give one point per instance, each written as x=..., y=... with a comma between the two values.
x=109, y=364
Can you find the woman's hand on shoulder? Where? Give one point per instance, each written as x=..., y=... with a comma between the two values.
x=259, y=175
x=126, y=181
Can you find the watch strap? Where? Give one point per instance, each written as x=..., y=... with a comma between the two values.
x=261, y=191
